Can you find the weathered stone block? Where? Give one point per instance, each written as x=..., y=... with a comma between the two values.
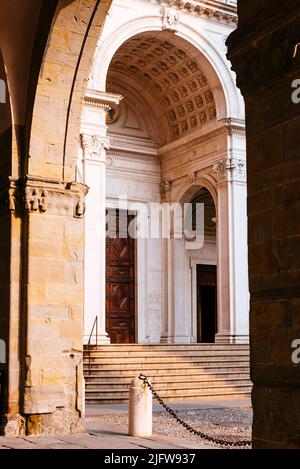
x=71, y=329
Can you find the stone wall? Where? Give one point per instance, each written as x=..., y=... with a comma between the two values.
x=42, y=223
x=261, y=51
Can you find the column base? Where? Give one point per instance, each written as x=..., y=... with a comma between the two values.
x=61, y=422
x=165, y=340
x=176, y=339
x=12, y=425
x=227, y=338
x=103, y=339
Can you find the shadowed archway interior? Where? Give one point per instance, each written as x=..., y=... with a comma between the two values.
x=173, y=88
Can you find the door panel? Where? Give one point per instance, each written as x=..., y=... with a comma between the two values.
x=120, y=282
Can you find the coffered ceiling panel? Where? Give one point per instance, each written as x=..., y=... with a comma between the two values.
x=172, y=76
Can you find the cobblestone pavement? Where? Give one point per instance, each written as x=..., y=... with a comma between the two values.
x=230, y=424
x=106, y=428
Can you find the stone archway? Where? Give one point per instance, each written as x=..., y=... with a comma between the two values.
x=159, y=97
x=44, y=208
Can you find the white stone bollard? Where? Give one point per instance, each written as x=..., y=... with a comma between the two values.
x=140, y=409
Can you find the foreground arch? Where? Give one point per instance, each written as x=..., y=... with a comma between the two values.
x=42, y=208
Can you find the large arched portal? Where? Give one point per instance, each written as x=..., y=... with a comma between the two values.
x=157, y=134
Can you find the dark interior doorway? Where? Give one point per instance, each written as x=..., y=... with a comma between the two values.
x=206, y=303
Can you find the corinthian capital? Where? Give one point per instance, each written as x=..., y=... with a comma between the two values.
x=94, y=146
x=231, y=169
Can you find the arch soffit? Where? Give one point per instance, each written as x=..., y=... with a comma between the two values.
x=132, y=90
x=228, y=99
x=186, y=192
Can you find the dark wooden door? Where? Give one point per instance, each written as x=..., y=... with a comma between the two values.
x=207, y=303
x=120, y=280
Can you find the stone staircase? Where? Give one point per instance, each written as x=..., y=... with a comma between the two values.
x=178, y=372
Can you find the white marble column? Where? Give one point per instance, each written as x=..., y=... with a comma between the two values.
x=95, y=148
x=176, y=276
x=233, y=288
x=95, y=143
x=167, y=335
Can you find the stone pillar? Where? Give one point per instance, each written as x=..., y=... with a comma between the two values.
x=43, y=388
x=233, y=292
x=167, y=335
x=262, y=53
x=95, y=143
x=94, y=152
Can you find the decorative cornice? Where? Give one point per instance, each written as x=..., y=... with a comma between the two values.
x=102, y=100
x=227, y=126
x=219, y=11
x=231, y=169
x=132, y=155
x=30, y=195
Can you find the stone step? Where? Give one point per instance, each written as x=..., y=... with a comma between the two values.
x=168, y=359
x=163, y=372
x=96, y=355
x=178, y=372
x=196, y=397
x=175, y=398
x=173, y=347
x=178, y=385
x=176, y=378
x=174, y=390
x=182, y=368
x=163, y=365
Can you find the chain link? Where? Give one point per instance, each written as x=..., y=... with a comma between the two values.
x=203, y=436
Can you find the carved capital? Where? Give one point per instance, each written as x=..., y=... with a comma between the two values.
x=191, y=178
x=231, y=169
x=9, y=200
x=33, y=195
x=95, y=146
x=35, y=200
x=170, y=18
x=165, y=189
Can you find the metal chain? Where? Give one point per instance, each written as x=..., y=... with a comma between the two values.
x=203, y=436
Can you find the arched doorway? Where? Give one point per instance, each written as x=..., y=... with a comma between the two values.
x=153, y=129
x=205, y=270
x=166, y=98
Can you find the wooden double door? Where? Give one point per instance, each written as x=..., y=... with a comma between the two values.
x=120, y=279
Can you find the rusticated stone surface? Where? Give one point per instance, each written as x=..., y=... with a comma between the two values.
x=41, y=215
x=44, y=390
x=261, y=51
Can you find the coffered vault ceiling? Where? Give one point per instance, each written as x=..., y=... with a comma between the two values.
x=171, y=76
